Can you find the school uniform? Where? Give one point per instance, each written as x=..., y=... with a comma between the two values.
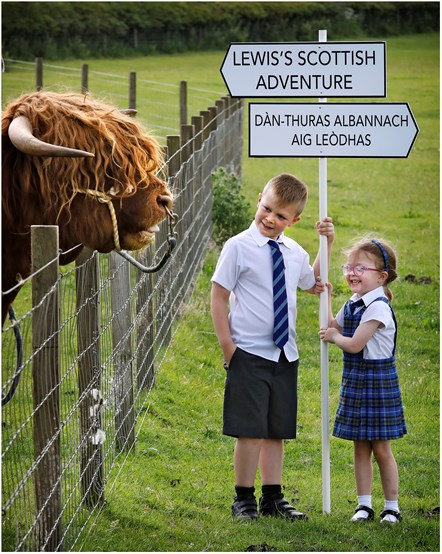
x=370, y=405
x=260, y=397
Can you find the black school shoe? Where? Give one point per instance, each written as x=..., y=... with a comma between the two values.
x=396, y=516
x=278, y=506
x=245, y=507
x=361, y=508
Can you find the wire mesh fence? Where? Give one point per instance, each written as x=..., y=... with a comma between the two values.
x=157, y=103
x=91, y=343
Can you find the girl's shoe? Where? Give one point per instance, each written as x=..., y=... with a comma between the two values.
x=360, y=516
x=390, y=516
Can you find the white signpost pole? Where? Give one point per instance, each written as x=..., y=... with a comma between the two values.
x=323, y=320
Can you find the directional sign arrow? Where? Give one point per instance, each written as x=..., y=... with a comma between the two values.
x=305, y=69
x=326, y=130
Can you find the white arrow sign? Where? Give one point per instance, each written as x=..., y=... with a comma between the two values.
x=331, y=130
x=310, y=69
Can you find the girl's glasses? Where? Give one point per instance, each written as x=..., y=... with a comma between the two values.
x=357, y=269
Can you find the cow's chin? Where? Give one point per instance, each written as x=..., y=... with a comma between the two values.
x=137, y=241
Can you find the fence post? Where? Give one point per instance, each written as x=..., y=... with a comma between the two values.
x=229, y=134
x=195, y=200
x=119, y=272
x=89, y=376
x=164, y=297
x=38, y=73
x=132, y=90
x=183, y=102
x=46, y=387
x=145, y=328
x=84, y=78
x=213, y=111
x=187, y=141
x=173, y=150
x=205, y=114
x=197, y=122
x=222, y=134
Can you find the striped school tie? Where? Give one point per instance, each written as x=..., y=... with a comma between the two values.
x=280, y=327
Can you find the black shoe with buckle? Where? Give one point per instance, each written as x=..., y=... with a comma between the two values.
x=390, y=516
x=278, y=506
x=245, y=507
x=357, y=517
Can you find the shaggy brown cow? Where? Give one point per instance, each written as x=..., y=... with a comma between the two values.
x=104, y=196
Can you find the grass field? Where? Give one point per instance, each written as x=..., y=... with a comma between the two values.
x=174, y=492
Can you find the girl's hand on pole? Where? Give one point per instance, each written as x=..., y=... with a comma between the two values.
x=328, y=335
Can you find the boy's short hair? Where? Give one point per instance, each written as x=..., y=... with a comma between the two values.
x=289, y=189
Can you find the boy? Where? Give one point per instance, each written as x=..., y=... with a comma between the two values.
x=260, y=399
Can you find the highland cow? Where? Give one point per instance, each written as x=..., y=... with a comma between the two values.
x=75, y=162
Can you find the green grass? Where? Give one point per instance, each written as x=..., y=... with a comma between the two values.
x=178, y=484
x=174, y=492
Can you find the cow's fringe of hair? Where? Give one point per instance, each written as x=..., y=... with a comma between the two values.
x=125, y=155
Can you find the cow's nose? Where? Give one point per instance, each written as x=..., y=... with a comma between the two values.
x=166, y=201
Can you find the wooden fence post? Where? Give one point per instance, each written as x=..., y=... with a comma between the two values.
x=183, y=102
x=213, y=111
x=164, y=296
x=187, y=134
x=46, y=387
x=229, y=137
x=132, y=90
x=84, y=78
x=197, y=122
x=145, y=328
x=173, y=150
x=38, y=73
x=195, y=200
x=119, y=271
x=221, y=116
x=89, y=376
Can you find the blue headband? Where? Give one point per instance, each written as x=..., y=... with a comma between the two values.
x=384, y=253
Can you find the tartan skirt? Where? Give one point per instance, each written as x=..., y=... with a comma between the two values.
x=370, y=404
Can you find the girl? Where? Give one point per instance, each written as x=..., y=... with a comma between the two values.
x=370, y=411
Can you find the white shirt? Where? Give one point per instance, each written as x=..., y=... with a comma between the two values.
x=381, y=344
x=245, y=268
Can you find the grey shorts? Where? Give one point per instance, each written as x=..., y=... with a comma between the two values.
x=260, y=397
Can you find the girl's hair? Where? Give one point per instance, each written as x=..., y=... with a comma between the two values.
x=383, y=254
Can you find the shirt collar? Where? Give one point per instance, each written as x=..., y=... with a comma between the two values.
x=261, y=240
x=370, y=296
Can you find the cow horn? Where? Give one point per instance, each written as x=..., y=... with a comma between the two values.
x=20, y=133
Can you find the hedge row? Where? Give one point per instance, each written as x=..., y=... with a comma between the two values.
x=57, y=30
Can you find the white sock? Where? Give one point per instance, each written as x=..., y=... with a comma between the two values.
x=365, y=500
x=391, y=505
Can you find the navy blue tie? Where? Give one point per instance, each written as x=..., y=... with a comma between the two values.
x=281, y=325
x=353, y=305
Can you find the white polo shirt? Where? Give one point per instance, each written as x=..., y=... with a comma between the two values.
x=381, y=344
x=245, y=269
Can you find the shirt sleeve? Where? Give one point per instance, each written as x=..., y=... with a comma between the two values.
x=378, y=311
x=307, y=276
x=227, y=268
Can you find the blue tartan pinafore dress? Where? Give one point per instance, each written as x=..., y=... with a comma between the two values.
x=370, y=404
